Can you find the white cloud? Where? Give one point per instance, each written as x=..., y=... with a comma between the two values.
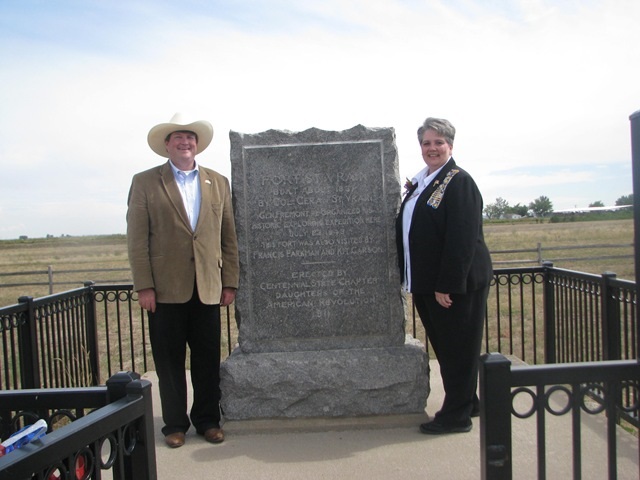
x=535, y=85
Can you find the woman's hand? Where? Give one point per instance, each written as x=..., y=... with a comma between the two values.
x=443, y=299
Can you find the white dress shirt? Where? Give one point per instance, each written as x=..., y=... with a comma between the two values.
x=189, y=186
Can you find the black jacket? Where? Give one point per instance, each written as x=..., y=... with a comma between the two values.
x=448, y=253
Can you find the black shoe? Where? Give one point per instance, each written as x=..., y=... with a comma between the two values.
x=437, y=428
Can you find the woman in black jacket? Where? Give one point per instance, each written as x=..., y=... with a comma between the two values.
x=445, y=264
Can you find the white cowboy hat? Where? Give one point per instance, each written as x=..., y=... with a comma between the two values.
x=159, y=133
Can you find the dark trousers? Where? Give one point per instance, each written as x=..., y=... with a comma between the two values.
x=171, y=328
x=455, y=334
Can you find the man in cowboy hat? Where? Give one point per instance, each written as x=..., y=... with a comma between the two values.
x=184, y=260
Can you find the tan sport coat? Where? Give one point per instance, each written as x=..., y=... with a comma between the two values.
x=165, y=253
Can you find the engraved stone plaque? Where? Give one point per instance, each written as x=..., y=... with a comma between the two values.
x=314, y=213
x=319, y=305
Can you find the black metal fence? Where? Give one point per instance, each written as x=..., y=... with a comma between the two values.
x=585, y=320
x=79, y=338
x=541, y=315
x=538, y=314
x=577, y=390
x=550, y=315
x=90, y=431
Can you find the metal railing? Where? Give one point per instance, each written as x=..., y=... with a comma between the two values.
x=90, y=431
x=538, y=314
x=79, y=338
x=591, y=326
x=552, y=391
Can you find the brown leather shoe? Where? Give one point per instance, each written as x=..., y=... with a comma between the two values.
x=174, y=440
x=214, y=435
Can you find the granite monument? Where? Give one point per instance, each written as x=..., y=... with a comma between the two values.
x=320, y=313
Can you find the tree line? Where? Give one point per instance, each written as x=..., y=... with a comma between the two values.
x=540, y=207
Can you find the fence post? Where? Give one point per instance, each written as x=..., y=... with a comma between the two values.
x=549, y=300
x=634, y=118
x=495, y=417
x=140, y=461
x=28, y=351
x=540, y=253
x=50, y=277
x=93, y=347
x=143, y=458
x=612, y=350
x=610, y=308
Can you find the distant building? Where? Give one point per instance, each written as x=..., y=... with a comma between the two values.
x=593, y=209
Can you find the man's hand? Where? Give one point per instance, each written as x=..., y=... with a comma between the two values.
x=228, y=296
x=147, y=299
x=443, y=299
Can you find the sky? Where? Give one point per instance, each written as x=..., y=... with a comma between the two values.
x=540, y=91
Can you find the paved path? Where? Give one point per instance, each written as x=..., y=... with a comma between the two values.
x=388, y=447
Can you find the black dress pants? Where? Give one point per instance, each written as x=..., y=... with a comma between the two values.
x=171, y=328
x=455, y=334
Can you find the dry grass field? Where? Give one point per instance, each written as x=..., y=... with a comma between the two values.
x=86, y=258
x=88, y=255
x=516, y=235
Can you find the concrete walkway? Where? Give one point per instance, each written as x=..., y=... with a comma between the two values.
x=388, y=447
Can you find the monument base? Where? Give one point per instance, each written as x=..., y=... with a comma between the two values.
x=327, y=383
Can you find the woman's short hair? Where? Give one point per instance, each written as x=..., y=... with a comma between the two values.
x=440, y=126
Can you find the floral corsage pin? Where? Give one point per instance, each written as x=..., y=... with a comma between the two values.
x=408, y=186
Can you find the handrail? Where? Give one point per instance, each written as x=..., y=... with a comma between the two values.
x=613, y=385
x=122, y=429
x=541, y=314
